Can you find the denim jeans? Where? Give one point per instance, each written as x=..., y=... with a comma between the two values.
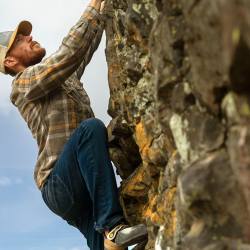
x=82, y=187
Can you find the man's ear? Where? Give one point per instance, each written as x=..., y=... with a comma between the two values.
x=10, y=62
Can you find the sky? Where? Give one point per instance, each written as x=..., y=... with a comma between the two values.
x=25, y=221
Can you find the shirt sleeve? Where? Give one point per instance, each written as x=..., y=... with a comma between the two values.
x=77, y=47
x=92, y=48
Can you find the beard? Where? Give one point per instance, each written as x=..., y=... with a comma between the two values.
x=36, y=57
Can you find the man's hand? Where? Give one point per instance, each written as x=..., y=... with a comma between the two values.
x=96, y=4
x=102, y=6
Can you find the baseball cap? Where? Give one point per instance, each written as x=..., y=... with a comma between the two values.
x=7, y=38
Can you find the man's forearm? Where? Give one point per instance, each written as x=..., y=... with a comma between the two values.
x=96, y=4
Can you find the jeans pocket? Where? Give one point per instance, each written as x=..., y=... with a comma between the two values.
x=57, y=196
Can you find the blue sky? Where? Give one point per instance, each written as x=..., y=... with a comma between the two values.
x=25, y=221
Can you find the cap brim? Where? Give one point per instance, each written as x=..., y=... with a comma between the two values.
x=24, y=28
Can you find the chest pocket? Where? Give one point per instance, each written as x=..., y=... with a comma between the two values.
x=74, y=90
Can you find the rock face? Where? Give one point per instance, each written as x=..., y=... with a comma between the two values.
x=179, y=78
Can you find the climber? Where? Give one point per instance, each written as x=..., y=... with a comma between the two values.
x=73, y=169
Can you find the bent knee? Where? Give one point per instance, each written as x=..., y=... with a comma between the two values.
x=93, y=124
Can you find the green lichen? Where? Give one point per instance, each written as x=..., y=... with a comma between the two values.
x=137, y=8
x=152, y=10
x=235, y=108
x=245, y=109
x=187, y=89
x=236, y=36
x=180, y=130
x=173, y=31
x=178, y=127
x=144, y=59
x=229, y=107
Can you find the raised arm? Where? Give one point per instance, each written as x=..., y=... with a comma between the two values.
x=39, y=80
x=89, y=54
x=93, y=46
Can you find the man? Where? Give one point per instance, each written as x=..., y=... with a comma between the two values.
x=73, y=169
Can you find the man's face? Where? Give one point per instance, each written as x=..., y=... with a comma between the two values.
x=26, y=51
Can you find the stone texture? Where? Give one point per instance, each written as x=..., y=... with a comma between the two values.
x=180, y=107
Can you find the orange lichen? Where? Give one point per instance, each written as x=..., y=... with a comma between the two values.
x=162, y=212
x=137, y=185
x=143, y=140
x=167, y=210
x=150, y=211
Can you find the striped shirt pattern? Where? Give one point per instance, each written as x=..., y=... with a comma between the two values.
x=50, y=96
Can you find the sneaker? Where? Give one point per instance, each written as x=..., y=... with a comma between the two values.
x=122, y=236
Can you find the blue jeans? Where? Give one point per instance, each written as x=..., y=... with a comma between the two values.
x=82, y=187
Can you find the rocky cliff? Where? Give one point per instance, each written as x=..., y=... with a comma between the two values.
x=179, y=78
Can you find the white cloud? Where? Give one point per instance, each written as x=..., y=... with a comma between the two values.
x=5, y=181
x=18, y=181
x=28, y=204
x=76, y=248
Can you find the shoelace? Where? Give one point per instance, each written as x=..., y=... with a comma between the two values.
x=112, y=234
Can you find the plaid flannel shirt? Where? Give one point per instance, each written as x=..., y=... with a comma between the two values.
x=50, y=96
